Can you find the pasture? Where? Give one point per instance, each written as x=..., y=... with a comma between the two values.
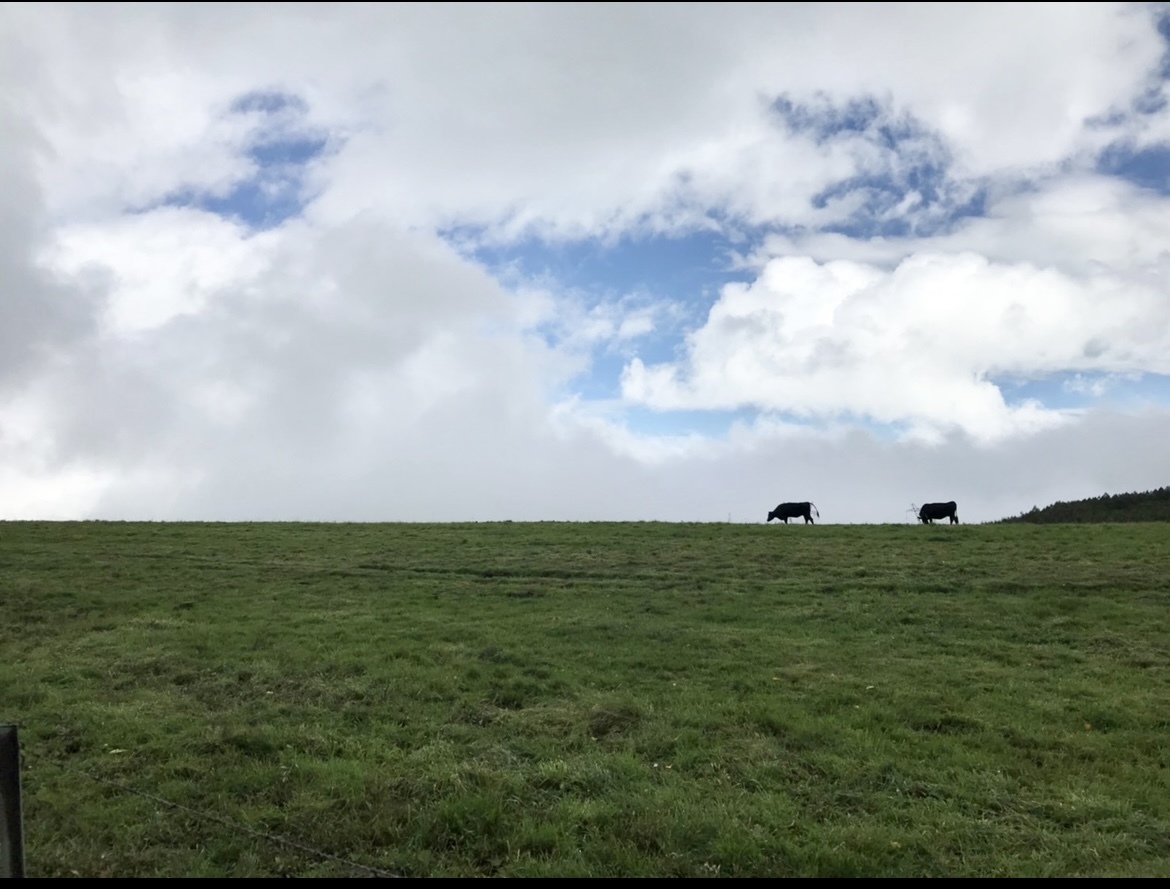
x=589, y=699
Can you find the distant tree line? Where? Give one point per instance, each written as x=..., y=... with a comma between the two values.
x=1148, y=506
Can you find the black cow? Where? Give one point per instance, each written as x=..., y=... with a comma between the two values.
x=932, y=511
x=788, y=511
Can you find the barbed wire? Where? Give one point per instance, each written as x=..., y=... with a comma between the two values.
x=235, y=825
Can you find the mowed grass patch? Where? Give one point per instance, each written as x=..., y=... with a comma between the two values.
x=589, y=699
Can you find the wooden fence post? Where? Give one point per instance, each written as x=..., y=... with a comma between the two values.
x=11, y=838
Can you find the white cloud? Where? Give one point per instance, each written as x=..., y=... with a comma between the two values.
x=158, y=265
x=61, y=495
x=1087, y=227
x=915, y=345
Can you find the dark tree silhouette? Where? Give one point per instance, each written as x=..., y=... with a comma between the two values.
x=1148, y=506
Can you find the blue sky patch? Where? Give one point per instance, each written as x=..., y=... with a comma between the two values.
x=1081, y=389
x=603, y=381
x=826, y=121
x=295, y=151
x=717, y=424
x=709, y=423
x=1150, y=101
x=1147, y=167
x=1056, y=391
x=881, y=196
x=911, y=193
x=1162, y=23
x=683, y=267
x=268, y=102
x=280, y=149
x=685, y=272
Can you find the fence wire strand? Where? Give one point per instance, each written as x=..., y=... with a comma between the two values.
x=235, y=825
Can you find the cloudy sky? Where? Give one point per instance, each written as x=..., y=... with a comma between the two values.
x=581, y=262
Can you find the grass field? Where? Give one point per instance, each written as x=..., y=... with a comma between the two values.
x=589, y=699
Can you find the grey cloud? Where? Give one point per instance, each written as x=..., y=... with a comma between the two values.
x=466, y=461
x=41, y=320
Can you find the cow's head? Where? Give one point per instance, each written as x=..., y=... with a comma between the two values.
x=772, y=515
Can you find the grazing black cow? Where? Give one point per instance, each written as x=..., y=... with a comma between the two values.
x=932, y=511
x=788, y=511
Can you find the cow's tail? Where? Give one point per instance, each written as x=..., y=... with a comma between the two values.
x=814, y=506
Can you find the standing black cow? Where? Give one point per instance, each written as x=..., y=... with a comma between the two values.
x=932, y=511
x=788, y=511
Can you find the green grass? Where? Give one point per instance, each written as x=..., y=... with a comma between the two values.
x=590, y=699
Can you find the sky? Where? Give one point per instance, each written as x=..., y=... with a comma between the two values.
x=581, y=262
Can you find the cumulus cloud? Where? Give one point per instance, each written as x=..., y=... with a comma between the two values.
x=917, y=345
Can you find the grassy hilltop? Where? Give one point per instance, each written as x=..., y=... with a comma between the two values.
x=589, y=699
